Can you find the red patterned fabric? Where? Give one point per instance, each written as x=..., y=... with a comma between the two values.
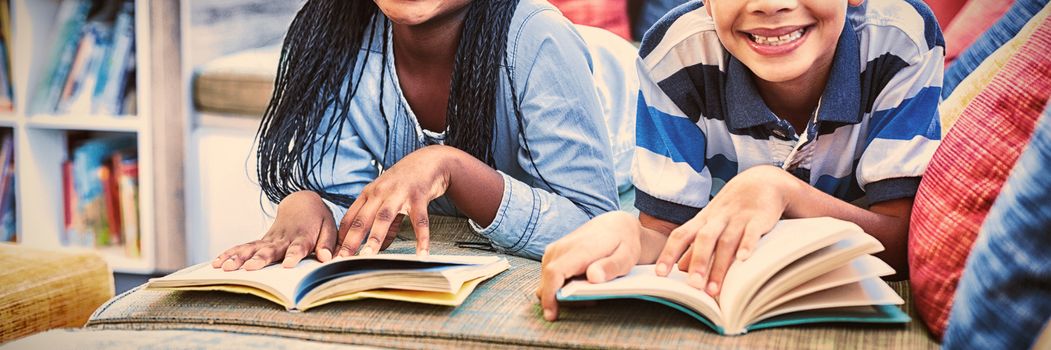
x=966, y=174
x=611, y=15
x=972, y=20
x=946, y=10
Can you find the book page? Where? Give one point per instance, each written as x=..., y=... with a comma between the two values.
x=788, y=241
x=863, y=267
x=870, y=291
x=274, y=279
x=643, y=280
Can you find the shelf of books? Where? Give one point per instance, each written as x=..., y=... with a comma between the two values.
x=83, y=171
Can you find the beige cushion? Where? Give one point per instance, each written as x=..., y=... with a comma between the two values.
x=501, y=313
x=240, y=84
x=45, y=289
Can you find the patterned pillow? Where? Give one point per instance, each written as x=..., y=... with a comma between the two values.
x=970, y=87
x=967, y=171
x=946, y=10
x=1005, y=28
x=611, y=15
x=973, y=19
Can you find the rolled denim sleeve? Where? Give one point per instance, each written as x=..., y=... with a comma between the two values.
x=563, y=147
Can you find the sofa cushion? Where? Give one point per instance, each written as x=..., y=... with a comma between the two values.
x=950, y=109
x=974, y=18
x=501, y=313
x=1003, y=30
x=45, y=289
x=89, y=339
x=611, y=15
x=240, y=84
x=1007, y=275
x=967, y=171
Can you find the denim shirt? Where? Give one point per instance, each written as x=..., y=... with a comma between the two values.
x=568, y=114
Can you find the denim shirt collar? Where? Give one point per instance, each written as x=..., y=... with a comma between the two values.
x=840, y=102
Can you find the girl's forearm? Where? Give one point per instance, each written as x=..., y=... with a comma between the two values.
x=474, y=187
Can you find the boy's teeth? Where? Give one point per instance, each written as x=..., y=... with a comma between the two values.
x=777, y=40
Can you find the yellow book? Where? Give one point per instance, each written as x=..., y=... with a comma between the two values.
x=437, y=279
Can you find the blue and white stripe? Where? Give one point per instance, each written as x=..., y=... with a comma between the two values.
x=700, y=120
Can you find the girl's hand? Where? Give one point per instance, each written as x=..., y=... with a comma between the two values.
x=405, y=188
x=604, y=248
x=730, y=226
x=301, y=218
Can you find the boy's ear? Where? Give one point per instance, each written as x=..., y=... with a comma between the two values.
x=855, y=3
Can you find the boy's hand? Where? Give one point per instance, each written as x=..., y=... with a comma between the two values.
x=407, y=187
x=604, y=248
x=301, y=217
x=729, y=227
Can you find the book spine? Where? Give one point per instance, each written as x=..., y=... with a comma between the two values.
x=7, y=194
x=129, y=205
x=111, y=92
x=71, y=18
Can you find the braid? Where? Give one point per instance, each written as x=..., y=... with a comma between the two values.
x=321, y=50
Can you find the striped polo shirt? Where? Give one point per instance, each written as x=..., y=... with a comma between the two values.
x=701, y=121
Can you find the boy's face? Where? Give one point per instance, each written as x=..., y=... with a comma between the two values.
x=780, y=40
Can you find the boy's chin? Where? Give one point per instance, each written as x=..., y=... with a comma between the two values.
x=779, y=74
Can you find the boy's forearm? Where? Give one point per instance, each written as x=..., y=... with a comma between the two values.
x=887, y=221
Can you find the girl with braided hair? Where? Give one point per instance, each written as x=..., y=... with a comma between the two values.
x=497, y=110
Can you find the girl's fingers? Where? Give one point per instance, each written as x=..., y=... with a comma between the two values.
x=678, y=241
x=421, y=225
x=296, y=251
x=617, y=264
x=725, y=250
x=348, y=218
x=382, y=220
x=238, y=255
x=703, y=246
x=357, y=226
x=326, y=240
x=267, y=254
x=392, y=232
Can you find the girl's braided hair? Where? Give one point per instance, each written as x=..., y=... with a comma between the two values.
x=322, y=49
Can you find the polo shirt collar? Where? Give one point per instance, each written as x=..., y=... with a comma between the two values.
x=840, y=102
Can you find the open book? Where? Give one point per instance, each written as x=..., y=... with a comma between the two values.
x=435, y=279
x=803, y=271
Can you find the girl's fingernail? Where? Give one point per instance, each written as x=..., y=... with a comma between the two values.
x=662, y=269
x=366, y=250
x=344, y=252
x=713, y=288
x=324, y=254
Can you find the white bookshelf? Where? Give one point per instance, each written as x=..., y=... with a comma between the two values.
x=41, y=140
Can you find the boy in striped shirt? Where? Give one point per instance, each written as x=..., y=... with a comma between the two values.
x=755, y=110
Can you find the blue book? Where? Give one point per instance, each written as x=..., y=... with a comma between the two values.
x=804, y=271
x=110, y=86
x=72, y=15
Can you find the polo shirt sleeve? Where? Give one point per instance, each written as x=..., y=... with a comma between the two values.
x=669, y=172
x=904, y=128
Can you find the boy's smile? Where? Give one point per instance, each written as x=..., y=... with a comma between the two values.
x=781, y=40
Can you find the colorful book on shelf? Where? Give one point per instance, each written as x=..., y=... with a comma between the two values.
x=804, y=271
x=6, y=89
x=92, y=173
x=7, y=189
x=436, y=279
x=80, y=85
x=65, y=35
x=126, y=167
x=114, y=71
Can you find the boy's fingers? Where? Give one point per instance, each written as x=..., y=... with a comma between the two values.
x=421, y=225
x=296, y=251
x=703, y=247
x=551, y=280
x=678, y=241
x=610, y=267
x=684, y=261
x=326, y=240
x=753, y=230
x=725, y=250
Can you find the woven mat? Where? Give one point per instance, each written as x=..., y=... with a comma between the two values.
x=500, y=313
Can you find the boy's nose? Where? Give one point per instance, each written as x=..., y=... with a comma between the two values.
x=771, y=7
